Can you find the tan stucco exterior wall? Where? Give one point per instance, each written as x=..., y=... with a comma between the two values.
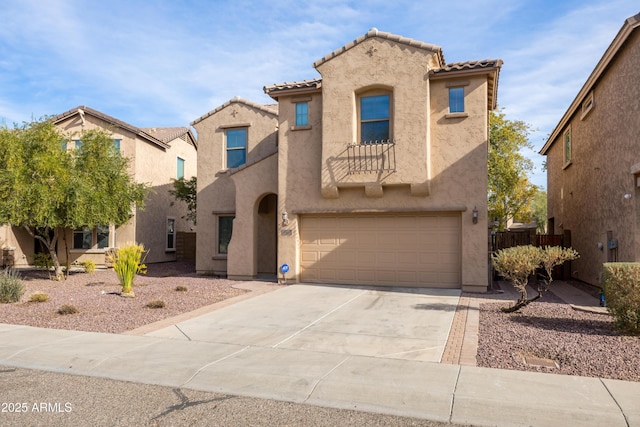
x=148, y=164
x=236, y=191
x=444, y=158
x=158, y=168
x=587, y=197
x=441, y=158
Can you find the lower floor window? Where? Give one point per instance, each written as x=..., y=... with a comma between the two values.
x=225, y=229
x=82, y=238
x=87, y=238
x=171, y=234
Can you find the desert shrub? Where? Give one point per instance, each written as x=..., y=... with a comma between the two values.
x=11, y=287
x=622, y=293
x=42, y=261
x=155, y=304
x=89, y=266
x=518, y=263
x=38, y=297
x=67, y=309
x=181, y=288
x=127, y=262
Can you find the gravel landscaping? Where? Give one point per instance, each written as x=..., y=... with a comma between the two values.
x=102, y=309
x=546, y=336
x=550, y=336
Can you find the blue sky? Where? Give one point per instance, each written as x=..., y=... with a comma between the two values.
x=166, y=63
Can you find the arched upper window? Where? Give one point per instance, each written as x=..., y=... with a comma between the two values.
x=374, y=111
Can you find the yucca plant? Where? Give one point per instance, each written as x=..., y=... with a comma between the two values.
x=127, y=262
x=11, y=287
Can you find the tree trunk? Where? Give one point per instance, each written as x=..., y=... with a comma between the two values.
x=50, y=244
x=57, y=268
x=523, y=301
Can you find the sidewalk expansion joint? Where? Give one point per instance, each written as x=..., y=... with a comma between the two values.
x=46, y=343
x=453, y=395
x=213, y=363
x=182, y=332
x=319, y=380
x=617, y=404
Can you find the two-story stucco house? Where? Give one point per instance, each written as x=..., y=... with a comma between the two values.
x=157, y=155
x=593, y=161
x=373, y=174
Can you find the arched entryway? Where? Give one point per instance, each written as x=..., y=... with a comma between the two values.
x=267, y=238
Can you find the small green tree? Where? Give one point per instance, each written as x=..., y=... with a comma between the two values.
x=510, y=192
x=46, y=189
x=539, y=208
x=186, y=191
x=519, y=263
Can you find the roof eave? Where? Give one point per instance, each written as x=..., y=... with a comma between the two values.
x=493, y=72
x=629, y=26
x=235, y=100
x=111, y=120
x=276, y=93
x=374, y=33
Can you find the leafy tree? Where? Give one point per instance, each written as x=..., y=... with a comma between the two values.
x=539, y=208
x=46, y=189
x=510, y=191
x=186, y=191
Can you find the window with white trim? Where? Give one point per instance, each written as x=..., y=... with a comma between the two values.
x=566, y=143
x=587, y=105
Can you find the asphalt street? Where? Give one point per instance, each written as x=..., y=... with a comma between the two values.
x=39, y=398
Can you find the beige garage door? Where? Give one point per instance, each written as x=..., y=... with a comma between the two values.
x=397, y=250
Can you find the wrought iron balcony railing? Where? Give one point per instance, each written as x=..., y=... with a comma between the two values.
x=372, y=157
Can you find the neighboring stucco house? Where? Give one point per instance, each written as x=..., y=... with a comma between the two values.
x=157, y=155
x=593, y=162
x=373, y=174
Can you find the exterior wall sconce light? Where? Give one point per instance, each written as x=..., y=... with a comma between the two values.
x=474, y=215
x=285, y=218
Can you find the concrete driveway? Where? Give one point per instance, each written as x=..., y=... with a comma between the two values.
x=397, y=323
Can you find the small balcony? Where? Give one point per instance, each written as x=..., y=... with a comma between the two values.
x=371, y=157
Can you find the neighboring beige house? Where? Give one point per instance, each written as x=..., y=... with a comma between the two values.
x=373, y=174
x=157, y=155
x=593, y=161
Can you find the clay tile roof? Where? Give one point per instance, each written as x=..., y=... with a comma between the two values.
x=168, y=134
x=305, y=84
x=490, y=66
x=269, y=108
x=372, y=33
x=82, y=109
x=469, y=65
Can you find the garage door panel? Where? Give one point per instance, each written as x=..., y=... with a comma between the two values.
x=401, y=249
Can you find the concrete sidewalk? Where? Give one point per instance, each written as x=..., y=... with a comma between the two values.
x=335, y=347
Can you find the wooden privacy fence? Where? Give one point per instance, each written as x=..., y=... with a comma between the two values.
x=508, y=239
